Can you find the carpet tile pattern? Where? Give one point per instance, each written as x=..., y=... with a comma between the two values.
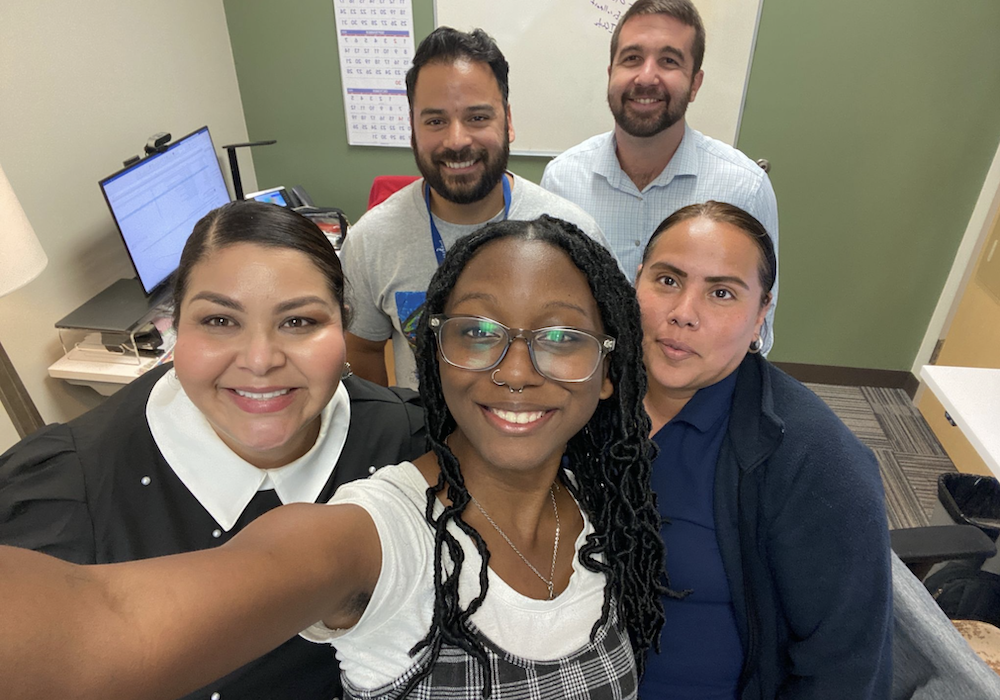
x=909, y=455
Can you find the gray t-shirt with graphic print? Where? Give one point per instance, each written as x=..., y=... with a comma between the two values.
x=389, y=259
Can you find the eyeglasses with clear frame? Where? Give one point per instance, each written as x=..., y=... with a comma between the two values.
x=559, y=353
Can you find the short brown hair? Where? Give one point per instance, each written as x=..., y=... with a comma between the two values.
x=681, y=10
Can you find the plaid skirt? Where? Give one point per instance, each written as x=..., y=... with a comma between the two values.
x=603, y=669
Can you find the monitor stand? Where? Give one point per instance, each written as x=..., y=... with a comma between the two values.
x=119, y=308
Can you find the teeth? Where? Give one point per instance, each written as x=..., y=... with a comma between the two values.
x=463, y=164
x=645, y=100
x=262, y=397
x=519, y=417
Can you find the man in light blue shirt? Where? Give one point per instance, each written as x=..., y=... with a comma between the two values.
x=653, y=163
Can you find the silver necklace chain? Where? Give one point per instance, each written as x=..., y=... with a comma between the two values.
x=550, y=581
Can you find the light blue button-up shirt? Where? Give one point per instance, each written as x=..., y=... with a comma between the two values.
x=702, y=168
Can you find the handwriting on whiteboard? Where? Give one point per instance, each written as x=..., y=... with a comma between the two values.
x=608, y=12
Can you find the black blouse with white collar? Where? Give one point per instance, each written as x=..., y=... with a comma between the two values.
x=97, y=490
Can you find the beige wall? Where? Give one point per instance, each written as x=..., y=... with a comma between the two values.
x=82, y=86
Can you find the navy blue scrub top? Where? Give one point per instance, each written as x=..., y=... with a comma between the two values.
x=700, y=650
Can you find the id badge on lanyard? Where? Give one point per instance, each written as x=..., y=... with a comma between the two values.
x=439, y=250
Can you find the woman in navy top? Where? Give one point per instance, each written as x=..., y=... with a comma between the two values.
x=773, y=514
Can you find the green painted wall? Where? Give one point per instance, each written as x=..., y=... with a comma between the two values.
x=880, y=119
x=289, y=74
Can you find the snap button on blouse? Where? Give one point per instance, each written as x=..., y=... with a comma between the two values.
x=371, y=470
x=216, y=534
x=145, y=481
x=216, y=696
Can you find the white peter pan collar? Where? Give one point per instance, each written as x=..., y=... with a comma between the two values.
x=223, y=482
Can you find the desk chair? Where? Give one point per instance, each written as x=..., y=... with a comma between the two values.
x=931, y=660
x=920, y=637
x=382, y=187
x=385, y=185
x=922, y=547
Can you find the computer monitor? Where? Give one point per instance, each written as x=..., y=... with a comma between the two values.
x=157, y=201
x=275, y=195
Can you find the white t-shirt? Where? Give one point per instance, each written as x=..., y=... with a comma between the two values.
x=376, y=650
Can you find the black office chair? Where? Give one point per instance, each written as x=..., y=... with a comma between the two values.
x=920, y=548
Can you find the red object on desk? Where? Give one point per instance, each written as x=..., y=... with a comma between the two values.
x=385, y=185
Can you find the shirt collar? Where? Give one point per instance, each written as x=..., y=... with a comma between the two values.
x=223, y=482
x=683, y=163
x=708, y=405
x=607, y=164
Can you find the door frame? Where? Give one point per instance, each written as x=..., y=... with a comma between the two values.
x=976, y=233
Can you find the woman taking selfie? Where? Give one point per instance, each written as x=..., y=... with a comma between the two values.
x=521, y=558
x=773, y=511
x=252, y=414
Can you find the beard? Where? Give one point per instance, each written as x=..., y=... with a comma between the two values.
x=644, y=126
x=464, y=189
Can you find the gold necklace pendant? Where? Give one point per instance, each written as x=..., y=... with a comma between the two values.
x=550, y=581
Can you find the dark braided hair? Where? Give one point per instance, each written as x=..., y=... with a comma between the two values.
x=609, y=458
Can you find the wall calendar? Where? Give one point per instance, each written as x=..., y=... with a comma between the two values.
x=375, y=42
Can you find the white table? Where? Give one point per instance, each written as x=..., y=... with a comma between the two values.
x=971, y=396
x=102, y=371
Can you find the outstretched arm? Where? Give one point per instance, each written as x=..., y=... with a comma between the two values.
x=159, y=628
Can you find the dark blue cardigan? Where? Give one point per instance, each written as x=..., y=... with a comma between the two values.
x=801, y=522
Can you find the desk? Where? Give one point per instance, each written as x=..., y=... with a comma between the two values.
x=104, y=372
x=971, y=396
x=118, y=311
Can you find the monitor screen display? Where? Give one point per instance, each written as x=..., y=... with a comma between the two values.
x=277, y=195
x=157, y=201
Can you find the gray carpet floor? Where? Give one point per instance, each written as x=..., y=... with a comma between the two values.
x=909, y=455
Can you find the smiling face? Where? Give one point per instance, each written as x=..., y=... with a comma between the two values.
x=700, y=295
x=461, y=130
x=260, y=349
x=522, y=284
x=651, y=79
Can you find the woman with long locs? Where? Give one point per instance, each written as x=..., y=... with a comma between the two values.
x=519, y=558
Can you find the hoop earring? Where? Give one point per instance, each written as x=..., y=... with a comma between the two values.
x=347, y=371
x=493, y=378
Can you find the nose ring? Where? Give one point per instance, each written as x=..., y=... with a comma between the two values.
x=493, y=378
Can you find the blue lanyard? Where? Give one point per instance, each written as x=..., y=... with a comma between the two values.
x=436, y=235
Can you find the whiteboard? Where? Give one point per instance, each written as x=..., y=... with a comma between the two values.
x=558, y=52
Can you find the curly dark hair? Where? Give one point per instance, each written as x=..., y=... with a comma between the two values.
x=609, y=458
